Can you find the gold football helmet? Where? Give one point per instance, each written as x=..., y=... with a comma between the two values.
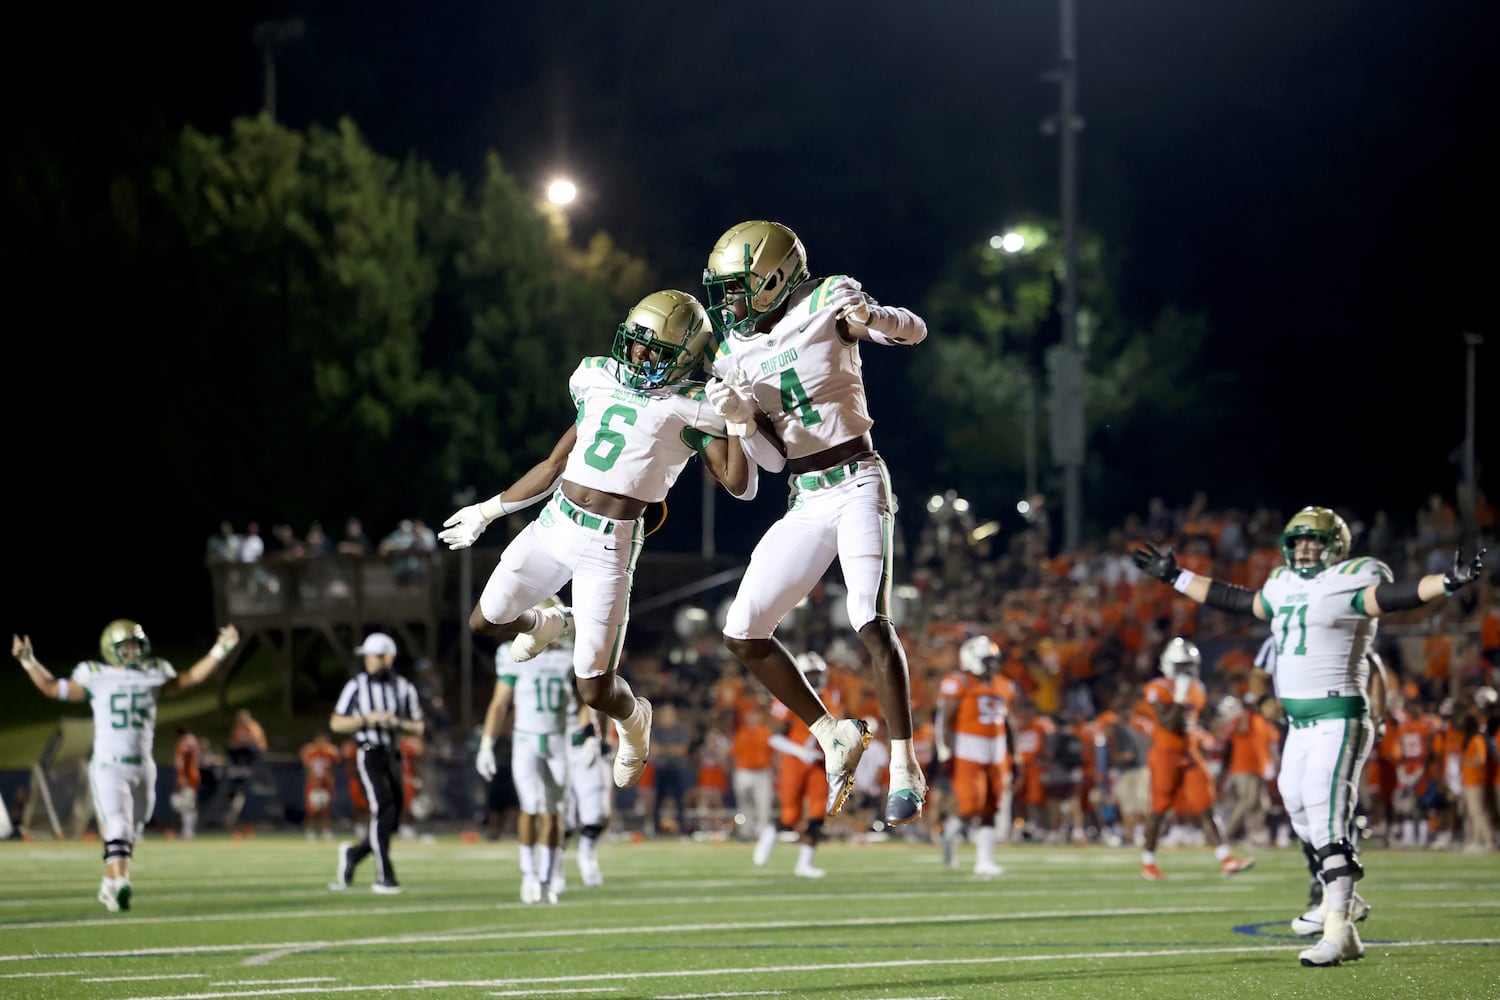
x=1322, y=524
x=750, y=272
x=116, y=634
x=662, y=339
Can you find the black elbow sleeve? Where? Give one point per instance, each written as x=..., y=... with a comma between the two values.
x=1228, y=597
x=1399, y=596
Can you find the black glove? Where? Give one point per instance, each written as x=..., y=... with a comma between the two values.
x=1460, y=576
x=1153, y=562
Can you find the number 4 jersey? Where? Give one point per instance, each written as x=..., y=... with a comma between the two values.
x=635, y=443
x=123, y=700
x=1322, y=636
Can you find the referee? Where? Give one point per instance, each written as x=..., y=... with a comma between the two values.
x=377, y=706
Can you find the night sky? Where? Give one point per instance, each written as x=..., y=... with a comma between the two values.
x=1319, y=179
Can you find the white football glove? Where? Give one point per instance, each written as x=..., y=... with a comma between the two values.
x=729, y=401
x=484, y=763
x=849, y=302
x=464, y=527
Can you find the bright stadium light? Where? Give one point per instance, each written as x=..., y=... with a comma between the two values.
x=1011, y=242
x=562, y=191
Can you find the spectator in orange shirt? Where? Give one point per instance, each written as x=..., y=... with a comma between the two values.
x=1473, y=768
x=1437, y=661
x=750, y=754
x=320, y=759
x=1249, y=767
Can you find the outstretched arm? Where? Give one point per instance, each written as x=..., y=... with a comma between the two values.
x=536, y=484
x=1379, y=598
x=861, y=317
x=229, y=637
x=1162, y=564
x=20, y=648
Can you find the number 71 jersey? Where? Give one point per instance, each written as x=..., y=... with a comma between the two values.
x=635, y=443
x=123, y=700
x=1321, y=635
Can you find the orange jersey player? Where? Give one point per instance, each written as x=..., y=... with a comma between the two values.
x=974, y=703
x=803, y=783
x=1179, y=777
x=320, y=761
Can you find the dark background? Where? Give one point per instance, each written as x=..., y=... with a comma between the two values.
x=1318, y=179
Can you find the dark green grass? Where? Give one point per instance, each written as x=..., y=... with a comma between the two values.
x=223, y=918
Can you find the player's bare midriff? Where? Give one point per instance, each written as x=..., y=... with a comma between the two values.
x=611, y=505
x=859, y=447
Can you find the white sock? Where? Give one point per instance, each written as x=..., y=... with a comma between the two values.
x=557, y=860
x=903, y=760
x=1148, y=857
x=984, y=845
x=585, y=849
x=823, y=730
x=1221, y=852
x=805, y=856
x=528, y=859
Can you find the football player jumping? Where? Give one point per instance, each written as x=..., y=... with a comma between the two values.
x=786, y=357
x=640, y=418
x=1322, y=605
x=122, y=689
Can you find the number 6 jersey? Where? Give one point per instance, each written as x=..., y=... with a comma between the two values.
x=635, y=443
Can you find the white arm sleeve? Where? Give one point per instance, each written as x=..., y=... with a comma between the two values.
x=893, y=326
x=763, y=453
x=495, y=507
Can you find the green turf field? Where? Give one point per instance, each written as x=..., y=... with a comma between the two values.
x=252, y=918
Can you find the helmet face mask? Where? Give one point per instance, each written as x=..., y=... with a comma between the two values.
x=979, y=656
x=1180, y=658
x=115, y=643
x=662, y=340
x=751, y=271
x=1310, y=528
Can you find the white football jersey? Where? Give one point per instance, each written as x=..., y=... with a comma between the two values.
x=805, y=376
x=635, y=443
x=1321, y=638
x=123, y=700
x=544, y=697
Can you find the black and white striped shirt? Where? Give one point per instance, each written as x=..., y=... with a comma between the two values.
x=367, y=694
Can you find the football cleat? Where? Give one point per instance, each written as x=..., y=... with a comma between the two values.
x=904, y=805
x=531, y=889
x=555, y=621
x=808, y=871
x=107, y=896
x=1340, y=943
x=344, y=874
x=1311, y=922
x=631, y=755
x=124, y=893
x=388, y=888
x=841, y=757
x=1151, y=873
x=988, y=869
x=1233, y=865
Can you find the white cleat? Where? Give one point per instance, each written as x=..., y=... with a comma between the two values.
x=1340, y=943
x=554, y=622
x=841, y=757
x=988, y=869
x=549, y=896
x=531, y=889
x=592, y=876
x=559, y=883
x=1311, y=922
x=633, y=751
x=808, y=871
x=107, y=896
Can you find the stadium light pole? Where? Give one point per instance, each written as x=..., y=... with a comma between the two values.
x=1472, y=341
x=1066, y=363
x=269, y=36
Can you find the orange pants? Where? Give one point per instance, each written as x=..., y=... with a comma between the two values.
x=1179, y=783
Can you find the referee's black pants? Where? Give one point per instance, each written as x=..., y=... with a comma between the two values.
x=380, y=773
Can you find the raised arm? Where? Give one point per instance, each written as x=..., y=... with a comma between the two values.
x=52, y=687
x=536, y=484
x=229, y=637
x=1162, y=564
